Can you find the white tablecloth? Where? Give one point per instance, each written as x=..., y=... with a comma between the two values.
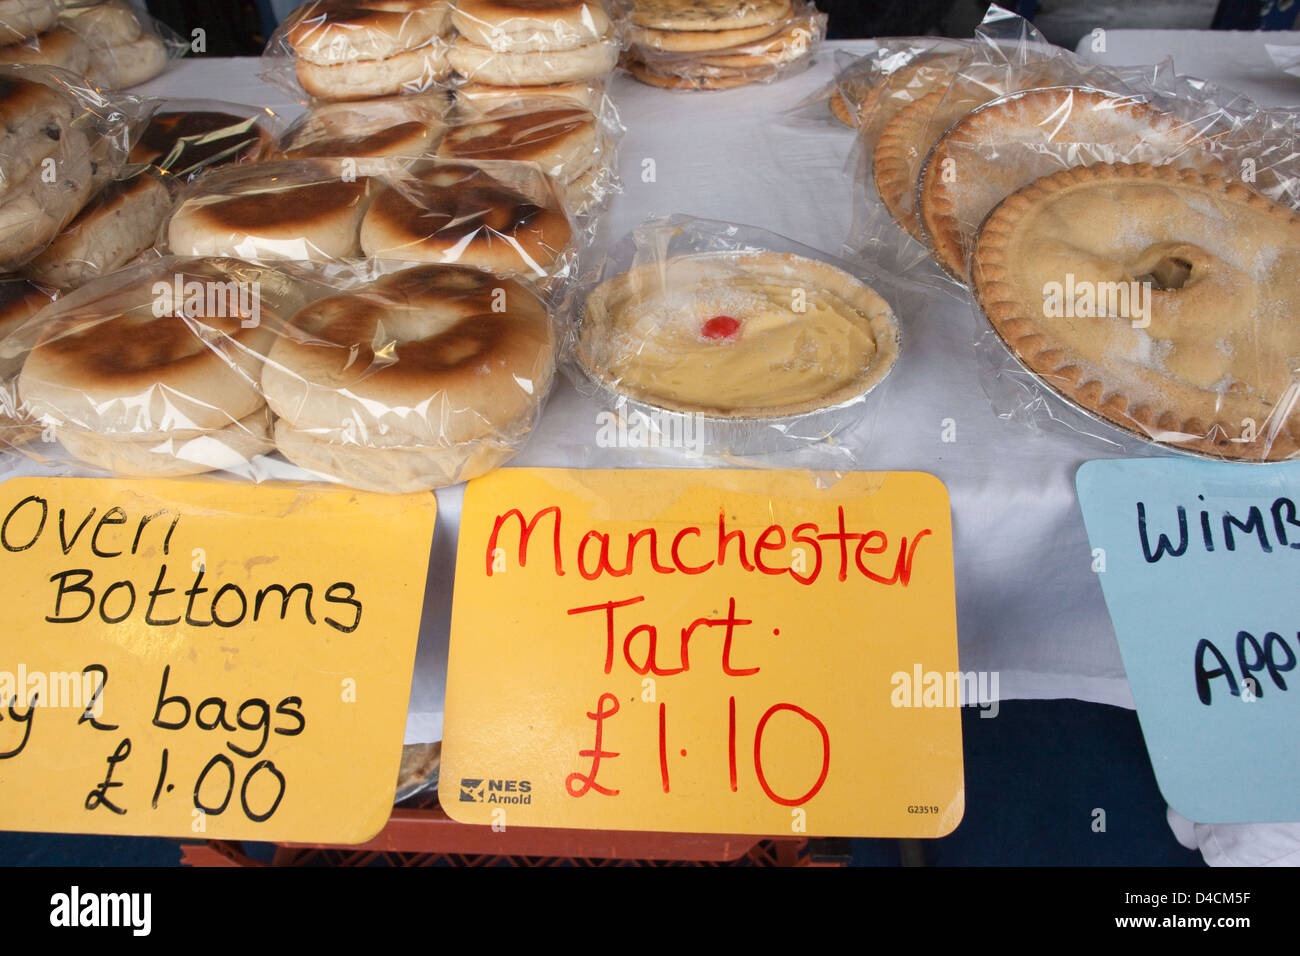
x=1235, y=59
x=1029, y=606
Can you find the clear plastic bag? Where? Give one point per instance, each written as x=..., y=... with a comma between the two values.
x=503, y=216
x=153, y=370
x=353, y=51
x=534, y=45
x=309, y=210
x=706, y=340
x=692, y=59
x=20, y=20
x=1121, y=239
x=924, y=88
x=1133, y=303
x=424, y=377
x=405, y=127
x=394, y=382
x=126, y=47
x=185, y=137
x=62, y=141
x=575, y=146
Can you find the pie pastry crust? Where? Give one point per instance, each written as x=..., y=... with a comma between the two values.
x=1006, y=144
x=905, y=142
x=887, y=96
x=1214, y=372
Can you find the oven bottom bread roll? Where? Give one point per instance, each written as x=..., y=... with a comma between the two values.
x=293, y=209
x=155, y=371
x=118, y=224
x=422, y=378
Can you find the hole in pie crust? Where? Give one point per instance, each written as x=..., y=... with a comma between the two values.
x=1168, y=275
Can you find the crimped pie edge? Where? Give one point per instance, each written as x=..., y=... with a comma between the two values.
x=1052, y=367
x=943, y=237
x=889, y=159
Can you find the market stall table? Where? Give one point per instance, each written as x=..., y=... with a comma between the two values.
x=1029, y=606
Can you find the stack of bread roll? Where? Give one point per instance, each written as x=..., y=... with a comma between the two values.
x=711, y=44
x=567, y=140
x=499, y=215
x=54, y=154
x=155, y=371
x=305, y=210
x=526, y=43
x=505, y=217
x=22, y=20
x=108, y=42
x=122, y=220
x=421, y=347
x=422, y=378
x=360, y=49
x=534, y=90
x=394, y=127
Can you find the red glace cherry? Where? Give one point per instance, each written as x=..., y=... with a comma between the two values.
x=720, y=327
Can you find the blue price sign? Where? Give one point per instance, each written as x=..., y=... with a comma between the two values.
x=1200, y=566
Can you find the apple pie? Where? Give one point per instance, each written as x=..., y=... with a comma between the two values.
x=1163, y=300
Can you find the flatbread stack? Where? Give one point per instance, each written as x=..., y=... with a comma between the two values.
x=126, y=49
x=361, y=49
x=566, y=140
x=23, y=19
x=713, y=45
x=153, y=372
x=424, y=377
x=527, y=43
x=123, y=218
x=301, y=210
x=50, y=158
x=400, y=128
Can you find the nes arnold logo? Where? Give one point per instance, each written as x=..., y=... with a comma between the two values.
x=480, y=790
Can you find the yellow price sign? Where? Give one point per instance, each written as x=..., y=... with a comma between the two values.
x=204, y=659
x=704, y=651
